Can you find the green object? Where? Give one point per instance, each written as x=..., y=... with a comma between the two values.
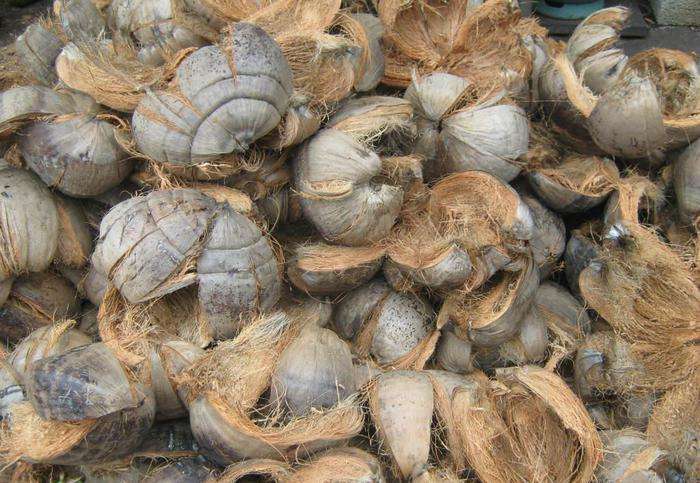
x=563, y=9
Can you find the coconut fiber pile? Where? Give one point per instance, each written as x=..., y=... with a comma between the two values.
x=325, y=241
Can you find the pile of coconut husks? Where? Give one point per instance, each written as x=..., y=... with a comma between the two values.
x=325, y=241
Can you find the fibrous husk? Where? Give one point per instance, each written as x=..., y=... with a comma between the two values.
x=396, y=329
x=37, y=48
x=646, y=293
x=548, y=239
x=30, y=225
x=473, y=40
x=74, y=237
x=686, y=182
x=226, y=254
x=115, y=79
x=633, y=197
x=577, y=184
x=82, y=408
x=401, y=405
x=322, y=269
x=262, y=179
x=35, y=301
x=337, y=464
x=335, y=177
x=45, y=342
x=492, y=314
x=194, y=123
x=675, y=426
x=314, y=372
x=224, y=388
x=375, y=120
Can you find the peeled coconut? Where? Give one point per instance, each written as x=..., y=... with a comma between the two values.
x=451, y=132
x=195, y=125
x=530, y=343
x=394, y=328
x=224, y=388
x=37, y=300
x=31, y=228
x=104, y=416
x=452, y=353
x=37, y=47
x=548, y=236
x=341, y=191
x=314, y=371
x=223, y=252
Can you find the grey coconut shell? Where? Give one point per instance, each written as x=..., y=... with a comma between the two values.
x=686, y=182
x=37, y=49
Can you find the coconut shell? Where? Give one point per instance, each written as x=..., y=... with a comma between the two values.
x=629, y=457
x=237, y=273
x=531, y=343
x=335, y=177
x=322, y=269
x=139, y=266
x=314, y=372
x=634, y=198
x=93, y=377
x=37, y=48
x=351, y=313
x=346, y=464
x=686, y=182
x=79, y=19
x=548, y=237
x=35, y=301
x=601, y=70
x=401, y=405
x=495, y=149
x=449, y=269
x=45, y=342
x=30, y=223
x=95, y=284
x=373, y=69
x=578, y=184
x=79, y=156
x=627, y=120
x=88, y=321
x=210, y=93
x=178, y=356
x=74, y=237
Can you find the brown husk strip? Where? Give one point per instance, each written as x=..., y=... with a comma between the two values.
x=587, y=175
x=646, y=293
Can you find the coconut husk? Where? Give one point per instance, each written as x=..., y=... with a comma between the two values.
x=646, y=293
x=581, y=249
x=573, y=442
x=323, y=269
x=628, y=456
x=548, y=240
x=474, y=43
x=299, y=123
x=227, y=423
x=269, y=469
x=74, y=237
x=633, y=196
x=116, y=79
x=675, y=423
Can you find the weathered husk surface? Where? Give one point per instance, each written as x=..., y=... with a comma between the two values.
x=30, y=225
x=629, y=457
x=37, y=300
x=74, y=237
x=548, y=236
x=645, y=292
